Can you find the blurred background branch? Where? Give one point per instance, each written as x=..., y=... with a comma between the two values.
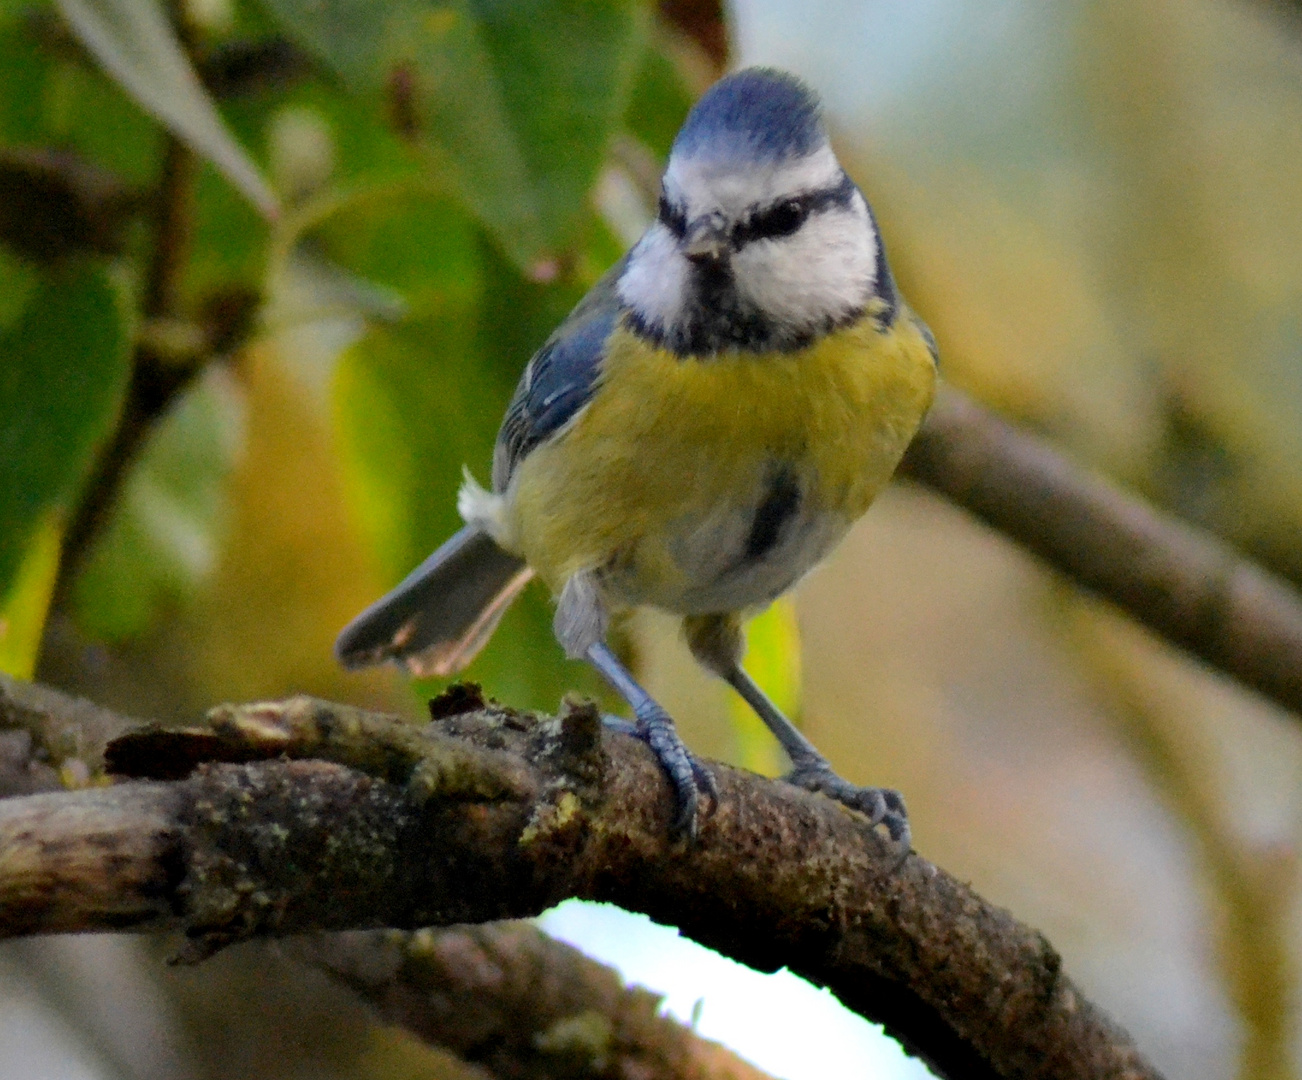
x=1186, y=585
x=1251, y=883
x=507, y=997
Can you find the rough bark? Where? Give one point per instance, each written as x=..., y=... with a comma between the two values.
x=304, y=815
x=507, y=997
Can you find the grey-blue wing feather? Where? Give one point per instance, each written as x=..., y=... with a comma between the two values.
x=560, y=379
x=435, y=605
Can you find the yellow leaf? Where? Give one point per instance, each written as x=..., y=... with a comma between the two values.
x=773, y=660
x=23, y=608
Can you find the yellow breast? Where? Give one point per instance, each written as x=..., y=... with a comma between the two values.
x=668, y=462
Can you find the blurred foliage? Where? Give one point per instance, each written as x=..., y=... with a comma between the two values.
x=23, y=606
x=434, y=169
x=63, y=370
x=1098, y=211
x=137, y=44
x=162, y=541
x=488, y=92
x=773, y=658
x=1250, y=886
x=1097, y=207
x=65, y=366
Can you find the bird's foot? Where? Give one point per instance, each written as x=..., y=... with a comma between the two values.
x=882, y=806
x=691, y=778
x=619, y=725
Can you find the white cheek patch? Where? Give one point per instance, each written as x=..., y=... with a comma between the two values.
x=824, y=271
x=801, y=284
x=656, y=279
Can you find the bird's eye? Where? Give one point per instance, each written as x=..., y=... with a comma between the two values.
x=780, y=220
x=672, y=217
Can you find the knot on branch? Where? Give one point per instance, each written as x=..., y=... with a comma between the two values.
x=571, y=744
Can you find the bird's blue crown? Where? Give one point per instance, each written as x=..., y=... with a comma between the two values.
x=763, y=114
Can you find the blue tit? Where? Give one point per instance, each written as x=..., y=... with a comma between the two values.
x=697, y=434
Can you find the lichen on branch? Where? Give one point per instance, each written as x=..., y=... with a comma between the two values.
x=302, y=815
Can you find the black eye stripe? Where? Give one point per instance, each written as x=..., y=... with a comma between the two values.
x=673, y=218
x=776, y=220
x=787, y=215
x=781, y=219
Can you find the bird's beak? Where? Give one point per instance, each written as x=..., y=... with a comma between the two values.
x=707, y=240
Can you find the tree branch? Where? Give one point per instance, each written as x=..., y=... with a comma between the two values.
x=503, y=995
x=1185, y=584
x=47, y=737
x=491, y=814
x=522, y=1005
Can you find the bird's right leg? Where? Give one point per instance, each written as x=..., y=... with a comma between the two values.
x=580, y=624
x=717, y=642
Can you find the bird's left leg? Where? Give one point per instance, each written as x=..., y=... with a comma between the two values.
x=580, y=625
x=717, y=642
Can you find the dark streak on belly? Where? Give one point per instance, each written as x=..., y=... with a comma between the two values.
x=780, y=504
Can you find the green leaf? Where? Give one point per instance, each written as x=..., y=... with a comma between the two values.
x=660, y=100
x=22, y=83
x=420, y=245
x=514, y=103
x=162, y=540
x=416, y=402
x=410, y=416
x=11, y=9
x=564, y=71
x=63, y=369
x=135, y=43
x=48, y=99
x=18, y=282
x=229, y=245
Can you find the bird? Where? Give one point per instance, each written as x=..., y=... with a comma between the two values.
x=697, y=434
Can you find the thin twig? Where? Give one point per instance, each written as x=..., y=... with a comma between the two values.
x=156, y=379
x=492, y=814
x=1187, y=585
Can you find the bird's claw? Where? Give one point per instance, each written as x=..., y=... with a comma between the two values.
x=881, y=806
x=689, y=776
x=705, y=781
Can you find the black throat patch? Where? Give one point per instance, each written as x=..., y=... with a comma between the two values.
x=717, y=320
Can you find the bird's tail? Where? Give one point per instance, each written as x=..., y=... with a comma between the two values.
x=443, y=613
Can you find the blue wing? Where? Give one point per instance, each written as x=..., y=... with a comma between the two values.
x=560, y=379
